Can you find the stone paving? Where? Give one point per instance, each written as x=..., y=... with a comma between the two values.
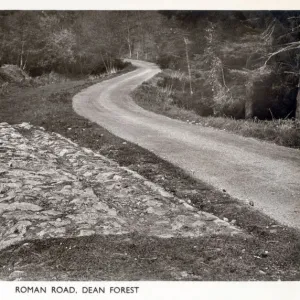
x=50, y=187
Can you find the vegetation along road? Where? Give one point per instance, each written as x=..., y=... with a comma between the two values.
x=261, y=173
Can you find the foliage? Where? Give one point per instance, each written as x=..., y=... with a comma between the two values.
x=241, y=64
x=152, y=96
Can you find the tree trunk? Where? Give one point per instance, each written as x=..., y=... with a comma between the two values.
x=297, y=116
x=188, y=65
x=22, y=55
x=128, y=36
x=248, y=102
x=129, y=49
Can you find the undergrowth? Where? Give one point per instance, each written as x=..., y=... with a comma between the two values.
x=163, y=100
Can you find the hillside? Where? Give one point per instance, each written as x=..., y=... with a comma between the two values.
x=121, y=193
x=234, y=64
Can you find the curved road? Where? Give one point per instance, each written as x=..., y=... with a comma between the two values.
x=248, y=169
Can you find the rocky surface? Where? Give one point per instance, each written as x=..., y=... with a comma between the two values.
x=12, y=73
x=51, y=187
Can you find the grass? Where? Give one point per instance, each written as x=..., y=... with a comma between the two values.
x=159, y=100
x=134, y=257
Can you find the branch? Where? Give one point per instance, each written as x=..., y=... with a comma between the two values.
x=291, y=46
x=268, y=32
x=294, y=73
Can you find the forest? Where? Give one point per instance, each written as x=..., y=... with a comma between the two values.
x=238, y=64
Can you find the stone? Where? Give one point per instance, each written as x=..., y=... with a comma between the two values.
x=25, y=206
x=19, y=228
x=86, y=232
x=184, y=274
x=16, y=275
x=3, y=188
x=13, y=73
x=55, y=188
x=101, y=206
x=189, y=207
x=150, y=210
x=25, y=125
x=51, y=212
x=158, y=189
x=63, y=152
x=198, y=224
x=24, y=216
x=112, y=212
x=117, y=177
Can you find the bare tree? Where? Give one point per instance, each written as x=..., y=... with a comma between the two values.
x=285, y=48
x=186, y=42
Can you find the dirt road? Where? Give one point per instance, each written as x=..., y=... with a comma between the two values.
x=248, y=169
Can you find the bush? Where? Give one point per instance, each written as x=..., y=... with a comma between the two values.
x=199, y=109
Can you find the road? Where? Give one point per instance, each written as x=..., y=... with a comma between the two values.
x=248, y=169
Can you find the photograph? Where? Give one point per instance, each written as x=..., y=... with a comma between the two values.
x=149, y=145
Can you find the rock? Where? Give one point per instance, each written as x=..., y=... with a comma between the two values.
x=19, y=206
x=55, y=174
x=198, y=224
x=19, y=228
x=105, y=176
x=76, y=201
x=26, y=206
x=225, y=220
x=153, y=203
x=263, y=254
x=184, y=274
x=207, y=217
x=67, y=187
x=117, y=177
x=189, y=207
x=16, y=275
x=21, y=215
x=158, y=189
x=25, y=126
x=101, y=206
x=150, y=210
x=86, y=232
x=112, y=212
x=51, y=212
x=3, y=188
x=88, y=151
x=88, y=174
x=251, y=203
x=63, y=152
x=13, y=73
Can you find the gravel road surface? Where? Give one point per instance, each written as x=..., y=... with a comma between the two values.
x=248, y=169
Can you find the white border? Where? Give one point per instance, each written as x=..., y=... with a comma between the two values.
x=152, y=5
x=161, y=290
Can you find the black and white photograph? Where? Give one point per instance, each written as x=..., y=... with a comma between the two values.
x=149, y=145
